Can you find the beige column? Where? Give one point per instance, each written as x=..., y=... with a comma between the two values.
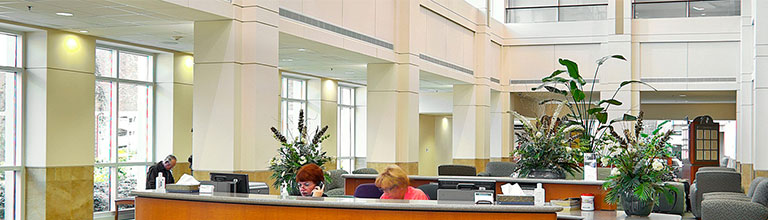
x=393, y=118
x=745, y=97
x=321, y=111
x=60, y=125
x=507, y=126
x=471, y=125
x=173, y=101
x=616, y=71
x=761, y=89
x=237, y=92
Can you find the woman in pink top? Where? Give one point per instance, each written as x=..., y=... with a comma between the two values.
x=394, y=183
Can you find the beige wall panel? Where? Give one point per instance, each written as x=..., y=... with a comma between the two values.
x=465, y=129
x=70, y=119
x=713, y=59
x=215, y=41
x=260, y=98
x=360, y=16
x=583, y=54
x=293, y=5
x=381, y=127
x=385, y=20
x=531, y=62
x=454, y=47
x=182, y=121
x=260, y=40
x=436, y=35
x=660, y=60
x=214, y=115
x=427, y=153
x=72, y=52
x=325, y=10
x=725, y=111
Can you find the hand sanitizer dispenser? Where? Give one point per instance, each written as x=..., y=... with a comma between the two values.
x=160, y=183
x=538, y=195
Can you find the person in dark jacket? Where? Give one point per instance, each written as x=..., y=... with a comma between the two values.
x=164, y=167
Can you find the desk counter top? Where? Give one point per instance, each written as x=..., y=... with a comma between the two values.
x=497, y=179
x=345, y=203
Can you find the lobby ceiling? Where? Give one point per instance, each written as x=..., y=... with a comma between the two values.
x=154, y=23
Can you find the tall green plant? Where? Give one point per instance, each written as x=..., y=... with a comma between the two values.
x=296, y=153
x=593, y=119
x=544, y=145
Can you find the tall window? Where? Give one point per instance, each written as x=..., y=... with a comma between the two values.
x=346, y=129
x=294, y=98
x=685, y=8
x=532, y=11
x=11, y=69
x=124, y=124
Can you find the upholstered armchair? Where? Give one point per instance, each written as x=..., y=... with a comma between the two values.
x=712, y=181
x=498, y=169
x=724, y=208
x=335, y=187
x=456, y=170
x=677, y=206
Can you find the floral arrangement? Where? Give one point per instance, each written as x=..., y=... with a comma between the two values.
x=639, y=161
x=293, y=155
x=545, y=145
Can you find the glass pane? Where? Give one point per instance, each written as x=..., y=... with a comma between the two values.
x=8, y=119
x=296, y=89
x=660, y=10
x=284, y=93
x=715, y=8
x=105, y=138
x=530, y=3
x=582, y=2
x=130, y=178
x=345, y=132
x=102, y=193
x=8, y=50
x=291, y=118
x=135, y=66
x=532, y=15
x=8, y=195
x=134, y=132
x=105, y=62
x=583, y=13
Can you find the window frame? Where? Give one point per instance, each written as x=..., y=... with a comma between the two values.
x=284, y=99
x=687, y=7
x=557, y=8
x=114, y=165
x=353, y=132
x=20, y=161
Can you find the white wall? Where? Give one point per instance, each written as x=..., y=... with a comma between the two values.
x=375, y=18
x=447, y=41
x=435, y=102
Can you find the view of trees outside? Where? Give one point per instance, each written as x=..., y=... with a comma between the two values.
x=9, y=58
x=123, y=125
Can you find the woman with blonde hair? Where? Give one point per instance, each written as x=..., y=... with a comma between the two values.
x=394, y=183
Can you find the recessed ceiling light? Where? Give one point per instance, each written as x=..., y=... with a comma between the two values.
x=302, y=49
x=65, y=14
x=83, y=31
x=287, y=60
x=697, y=8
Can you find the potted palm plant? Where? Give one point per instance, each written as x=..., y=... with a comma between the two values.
x=543, y=147
x=640, y=167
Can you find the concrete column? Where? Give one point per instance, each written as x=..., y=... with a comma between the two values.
x=60, y=125
x=745, y=96
x=393, y=119
x=507, y=126
x=237, y=92
x=322, y=110
x=471, y=125
x=173, y=121
x=496, y=124
x=760, y=88
x=619, y=42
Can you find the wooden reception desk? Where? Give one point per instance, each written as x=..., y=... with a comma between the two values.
x=554, y=189
x=157, y=205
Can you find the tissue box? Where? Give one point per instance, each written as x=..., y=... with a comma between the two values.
x=567, y=204
x=182, y=188
x=514, y=200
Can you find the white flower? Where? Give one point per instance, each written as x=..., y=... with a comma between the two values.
x=657, y=165
x=615, y=171
x=631, y=149
x=568, y=148
x=538, y=134
x=302, y=160
x=604, y=161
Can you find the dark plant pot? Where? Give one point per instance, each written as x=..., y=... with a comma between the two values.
x=634, y=206
x=293, y=188
x=546, y=174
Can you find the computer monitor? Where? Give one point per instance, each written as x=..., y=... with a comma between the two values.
x=240, y=181
x=468, y=184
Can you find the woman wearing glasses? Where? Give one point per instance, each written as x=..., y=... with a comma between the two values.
x=394, y=183
x=310, y=178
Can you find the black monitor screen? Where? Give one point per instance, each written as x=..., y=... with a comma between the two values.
x=469, y=184
x=241, y=186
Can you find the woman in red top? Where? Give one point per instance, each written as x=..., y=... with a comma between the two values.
x=394, y=183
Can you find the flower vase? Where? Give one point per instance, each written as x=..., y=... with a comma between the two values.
x=590, y=167
x=634, y=206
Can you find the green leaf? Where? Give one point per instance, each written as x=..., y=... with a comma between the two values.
x=555, y=73
x=628, y=117
x=635, y=81
x=573, y=70
x=595, y=110
x=558, y=101
x=602, y=117
x=552, y=89
x=610, y=101
x=618, y=56
x=577, y=94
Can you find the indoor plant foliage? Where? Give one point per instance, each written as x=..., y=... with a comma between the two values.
x=591, y=114
x=544, y=147
x=296, y=153
x=640, y=167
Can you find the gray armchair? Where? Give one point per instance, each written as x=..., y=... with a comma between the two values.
x=735, y=195
x=677, y=206
x=456, y=170
x=712, y=181
x=335, y=187
x=721, y=208
x=498, y=169
x=365, y=171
